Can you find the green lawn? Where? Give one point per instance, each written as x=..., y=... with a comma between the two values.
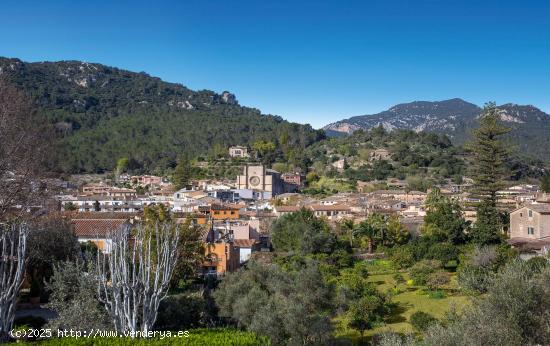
x=410, y=300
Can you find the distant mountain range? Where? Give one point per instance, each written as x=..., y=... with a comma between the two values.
x=103, y=113
x=456, y=118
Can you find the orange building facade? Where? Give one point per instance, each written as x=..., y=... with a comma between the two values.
x=221, y=257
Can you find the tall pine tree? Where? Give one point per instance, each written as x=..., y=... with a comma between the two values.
x=490, y=155
x=489, y=173
x=182, y=173
x=545, y=183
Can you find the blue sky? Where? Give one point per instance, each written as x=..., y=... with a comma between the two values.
x=308, y=61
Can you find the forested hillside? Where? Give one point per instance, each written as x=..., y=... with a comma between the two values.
x=422, y=159
x=103, y=113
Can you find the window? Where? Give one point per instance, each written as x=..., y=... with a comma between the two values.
x=530, y=230
x=530, y=213
x=520, y=214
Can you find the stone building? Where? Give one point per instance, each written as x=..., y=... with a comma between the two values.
x=261, y=179
x=238, y=151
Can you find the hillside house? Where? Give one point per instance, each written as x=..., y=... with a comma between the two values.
x=331, y=212
x=97, y=230
x=380, y=154
x=238, y=151
x=530, y=228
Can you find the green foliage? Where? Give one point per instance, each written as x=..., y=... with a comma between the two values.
x=514, y=311
x=302, y=232
x=478, y=269
x=490, y=155
x=211, y=337
x=364, y=306
x=183, y=311
x=424, y=248
x=396, y=232
x=421, y=271
x=398, y=278
x=437, y=279
x=421, y=320
x=122, y=165
x=475, y=279
x=190, y=253
x=414, y=155
x=545, y=183
x=488, y=226
x=52, y=240
x=366, y=313
x=73, y=290
x=288, y=307
x=372, y=230
x=70, y=206
x=402, y=256
x=265, y=150
x=444, y=218
x=442, y=252
x=122, y=114
x=182, y=173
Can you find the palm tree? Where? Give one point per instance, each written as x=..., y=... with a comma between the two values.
x=378, y=221
x=366, y=229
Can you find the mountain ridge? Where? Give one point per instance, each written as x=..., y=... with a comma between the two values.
x=456, y=118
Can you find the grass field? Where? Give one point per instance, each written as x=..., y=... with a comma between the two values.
x=408, y=301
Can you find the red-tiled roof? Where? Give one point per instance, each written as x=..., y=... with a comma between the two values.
x=287, y=209
x=96, y=227
x=244, y=242
x=215, y=206
x=100, y=215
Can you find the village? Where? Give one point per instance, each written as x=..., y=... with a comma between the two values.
x=236, y=215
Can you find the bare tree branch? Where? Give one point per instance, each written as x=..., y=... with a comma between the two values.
x=135, y=274
x=13, y=245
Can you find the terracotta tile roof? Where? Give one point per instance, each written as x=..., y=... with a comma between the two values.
x=287, y=209
x=225, y=207
x=100, y=215
x=335, y=207
x=97, y=227
x=244, y=242
x=543, y=208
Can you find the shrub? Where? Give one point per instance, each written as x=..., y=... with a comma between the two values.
x=437, y=279
x=537, y=264
x=421, y=320
x=442, y=252
x=182, y=311
x=474, y=279
x=514, y=312
x=393, y=339
x=398, y=278
x=451, y=265
x=483, y=256
x=402, y=256
x=439, y=294
x=421, y=270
